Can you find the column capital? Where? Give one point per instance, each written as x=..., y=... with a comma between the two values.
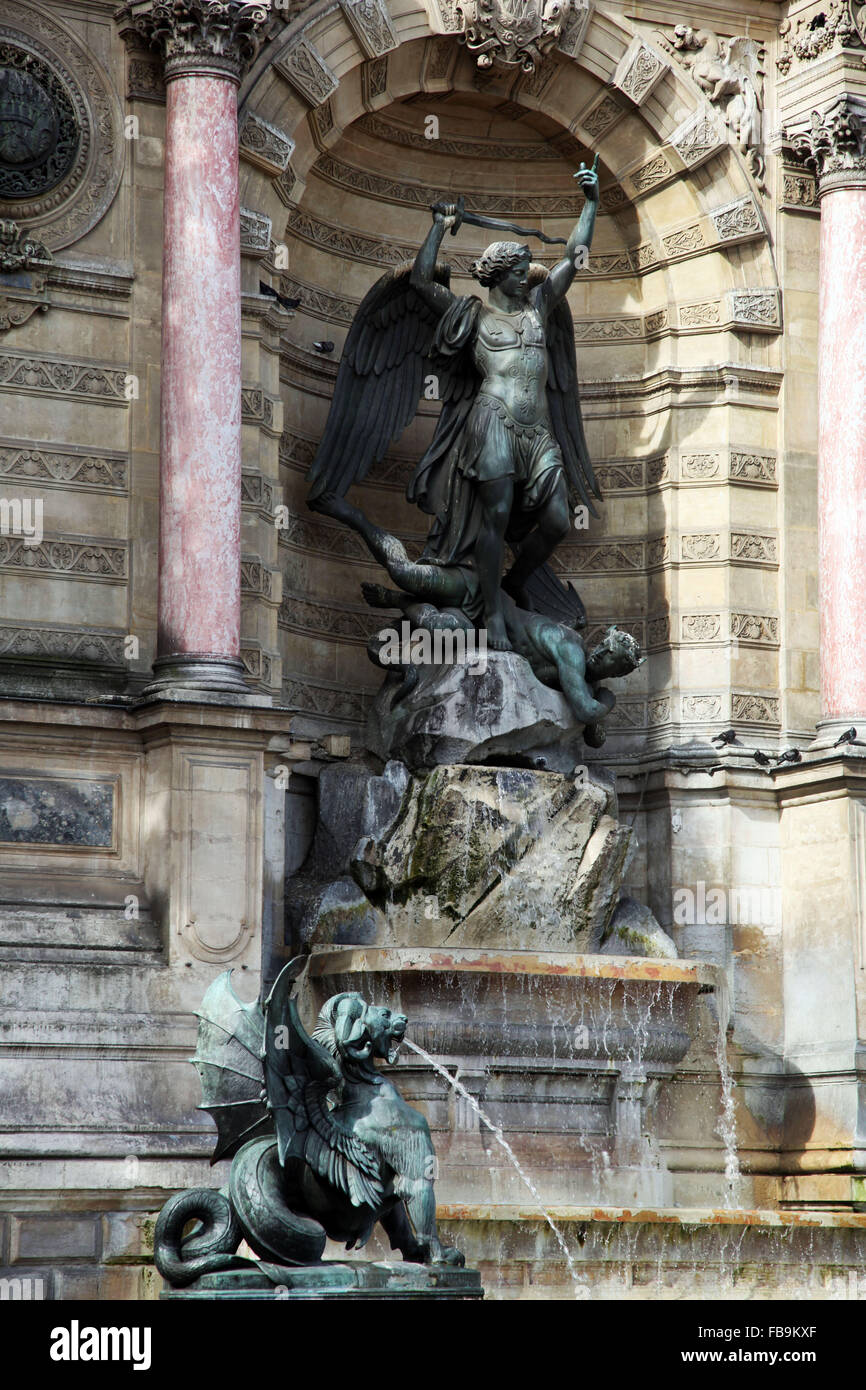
x=220, y=37
x=834, y=144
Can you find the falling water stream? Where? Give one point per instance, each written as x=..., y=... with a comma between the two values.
x=580, y=1289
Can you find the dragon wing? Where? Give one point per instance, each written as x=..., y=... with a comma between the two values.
x=379, y=381
x=564, y=404
x=299, y=1075
x=549, y=595
x=228, y=1059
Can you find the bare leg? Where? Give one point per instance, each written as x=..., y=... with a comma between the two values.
x=496, y=499
x=424, y=581
x=553, y=527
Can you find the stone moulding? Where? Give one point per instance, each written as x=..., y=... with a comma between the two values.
x=67, y=557
x=59, y=644
x=47, y=466
x=58, y=377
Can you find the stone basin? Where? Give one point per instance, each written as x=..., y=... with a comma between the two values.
x=567, y=1055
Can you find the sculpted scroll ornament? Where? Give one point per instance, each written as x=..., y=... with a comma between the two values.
x=514, y=33
x=19, y=251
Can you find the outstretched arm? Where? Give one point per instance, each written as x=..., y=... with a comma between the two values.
x=423, y=271
x=564, y=272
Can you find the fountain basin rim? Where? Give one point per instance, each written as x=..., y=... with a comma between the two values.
x=676, y=1216
x=342, y=960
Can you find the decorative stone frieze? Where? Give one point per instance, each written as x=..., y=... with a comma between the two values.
x=826, y=26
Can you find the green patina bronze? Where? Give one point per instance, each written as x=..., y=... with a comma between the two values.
x=323, y=1146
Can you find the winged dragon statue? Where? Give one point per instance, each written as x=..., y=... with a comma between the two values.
x=321, y=1142
x=508, y=460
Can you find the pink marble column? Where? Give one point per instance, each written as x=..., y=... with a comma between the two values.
x=206, y=46
x=200, y=473
x=842, y=453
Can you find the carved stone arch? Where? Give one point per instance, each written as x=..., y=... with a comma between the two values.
x=682, y=279
x=621, y=95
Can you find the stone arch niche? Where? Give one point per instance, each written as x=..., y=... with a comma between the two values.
x=676, y=319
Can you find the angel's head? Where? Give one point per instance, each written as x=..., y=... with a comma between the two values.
x=351, y=1028
x=505, y=266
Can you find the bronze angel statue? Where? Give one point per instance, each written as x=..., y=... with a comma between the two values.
x=507, y=460
x=322, y=1143
x=509, y=446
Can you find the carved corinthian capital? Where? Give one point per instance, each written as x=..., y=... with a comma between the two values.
x=834, y=144
x=199, y=35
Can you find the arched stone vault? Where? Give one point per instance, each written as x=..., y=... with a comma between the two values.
x=676, y=323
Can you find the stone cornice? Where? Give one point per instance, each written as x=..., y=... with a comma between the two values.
x=220, y=37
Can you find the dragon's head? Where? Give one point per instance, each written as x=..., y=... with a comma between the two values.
x=351, y=1028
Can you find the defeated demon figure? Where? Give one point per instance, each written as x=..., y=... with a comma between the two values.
x=322, y=1144
x=437, y=596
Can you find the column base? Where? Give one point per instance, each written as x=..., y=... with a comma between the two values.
x=828, y=731
x=190, y=675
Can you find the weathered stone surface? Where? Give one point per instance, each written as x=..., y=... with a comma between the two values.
x=353, y=802
x=456, y=714
x=37, y=811
x=634, y=931
x=497, y=857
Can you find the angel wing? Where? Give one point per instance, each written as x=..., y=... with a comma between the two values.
x=299, y=1075
x=379, y=382
x=744, y=57
x=228, y=1059
x=563, y=402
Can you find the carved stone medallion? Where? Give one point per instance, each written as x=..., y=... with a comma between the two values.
x=39, y=133
x=61, y=144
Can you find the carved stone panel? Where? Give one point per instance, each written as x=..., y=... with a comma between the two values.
x=308, y=73
x=640, y=71
x=371, y=25
x=264, y=144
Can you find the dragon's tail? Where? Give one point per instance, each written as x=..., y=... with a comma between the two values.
x=208, y=1250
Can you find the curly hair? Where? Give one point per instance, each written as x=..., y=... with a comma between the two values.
x=494, y=263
